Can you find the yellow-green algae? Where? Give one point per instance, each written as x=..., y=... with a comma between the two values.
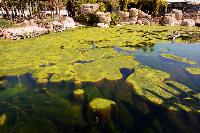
x=103, y=68
x=102, y=106
x=178, y=58
x=153, y=85
x=79, y=94
x=2, y=119
x=193, y=70
x=63, y=49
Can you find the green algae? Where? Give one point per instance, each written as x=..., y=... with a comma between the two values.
x=178, y=58
x=103, y=68
x=102, y=106
x=154, y=86
x=63, y=49
x=79, y=94
x=2, y=119
x=193, y=70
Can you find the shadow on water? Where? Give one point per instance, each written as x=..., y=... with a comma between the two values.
x=51, y=107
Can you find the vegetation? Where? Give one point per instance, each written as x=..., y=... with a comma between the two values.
x=194, y=70
x=6, y=23
x=178, y=58
x=153, y=85
x=79, y=94
x=2, y=119
x=102, y=106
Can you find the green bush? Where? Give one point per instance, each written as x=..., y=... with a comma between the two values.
x=6, y=23
x=115, y=19
x=88, y=19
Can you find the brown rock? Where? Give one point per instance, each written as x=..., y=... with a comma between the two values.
x=133, y=12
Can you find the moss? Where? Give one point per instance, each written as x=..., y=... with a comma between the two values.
x=102, y=106
x=154, y=86
x=193, y=70
x=2, y=119
x=79, y=94
x=178, y=58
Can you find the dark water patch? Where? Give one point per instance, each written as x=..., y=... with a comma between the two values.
x=49, y=64
x=82, y=61
x=126, y=72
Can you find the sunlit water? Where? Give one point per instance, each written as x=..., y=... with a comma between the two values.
x=37, y=108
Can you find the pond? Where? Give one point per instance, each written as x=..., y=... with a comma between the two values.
x=52, y=107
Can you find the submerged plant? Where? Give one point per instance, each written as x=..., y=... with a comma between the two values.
x=102, y=106
x=79, y=94
x=2, y=119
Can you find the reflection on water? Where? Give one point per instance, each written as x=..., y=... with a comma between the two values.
x=37, y=108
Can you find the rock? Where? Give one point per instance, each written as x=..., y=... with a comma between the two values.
x=133, y=19
x=125, y=23
x=188, y=22
x=89, y=8
x=79, y=94
x=69, y=23
x=124, y=16
x=105, y=19
x=102, y=25
x=169, y=19
x=133, y=22
x=141, y=14
x=178, y=14
x=133, y=12
x=145, y=21
x=139, y=22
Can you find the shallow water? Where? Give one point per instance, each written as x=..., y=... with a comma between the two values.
x=51, y=107
x=150, y=56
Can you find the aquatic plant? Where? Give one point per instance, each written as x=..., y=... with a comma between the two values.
x=178, y=58
x=103, y=68
x=102, y=106
x=154, y=86
x=193, y=70
x=79, y=94
x=2, y=119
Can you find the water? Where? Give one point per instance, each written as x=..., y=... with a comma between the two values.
x=150, y=56
x=51, y=107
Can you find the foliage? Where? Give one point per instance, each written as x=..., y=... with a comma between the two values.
x=6, y=23
x=115, y=19
x=88, y=19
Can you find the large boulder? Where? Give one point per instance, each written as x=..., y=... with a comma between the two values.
x=145, y=21
x=188, y=22
x=133, y=19
x=104, y=17
x=124, y=16
x=102, y=25
x=89, y=8
x=169, y=19
x=141, y=14
x=178, y=14
x=133, y=12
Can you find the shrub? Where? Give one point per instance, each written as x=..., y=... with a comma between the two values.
x=115, y=19
x=88, y=19
x=6, y=23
